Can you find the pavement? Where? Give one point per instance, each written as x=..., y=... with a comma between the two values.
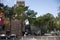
x=36, y=38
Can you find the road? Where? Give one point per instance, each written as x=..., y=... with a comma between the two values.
x=37, y=38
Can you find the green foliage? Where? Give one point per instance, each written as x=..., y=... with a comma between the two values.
x=1, y=6
x=31, y=13
x=31, y=16
x=46, y=22
x=58, y=20
x=9, y=12
x=20, y=10
x=52, y=24
x=59, y=27
x=59, y=14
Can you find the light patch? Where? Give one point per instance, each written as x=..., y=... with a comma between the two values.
x=26, y=22
x=0, y=19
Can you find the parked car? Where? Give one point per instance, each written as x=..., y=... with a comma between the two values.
x=11, y=36
x=36, y=32
x=47, y=34
x=2, y=36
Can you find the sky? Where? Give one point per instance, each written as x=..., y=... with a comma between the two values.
x=40, y=6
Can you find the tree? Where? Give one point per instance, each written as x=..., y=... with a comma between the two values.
x=20, y=12
x=1, y=6
x=9, y=11
x=58, y=21
x=46, y=22
x=50, y=21
x=31, y=16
